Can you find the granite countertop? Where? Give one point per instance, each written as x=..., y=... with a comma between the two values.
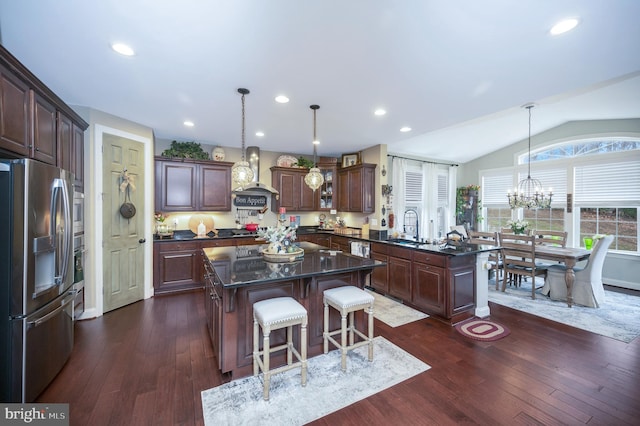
x=450, y=249
x=244, y=265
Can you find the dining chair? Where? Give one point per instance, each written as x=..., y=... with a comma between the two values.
x=587, y=285
x=490, y=239
x=519, y=259
x=549, y=237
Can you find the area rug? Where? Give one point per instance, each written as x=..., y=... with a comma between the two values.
x=328, y=388
x=618, y=317
x=483, y=330
x=394, y=313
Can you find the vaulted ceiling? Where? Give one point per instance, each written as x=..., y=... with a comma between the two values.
x=455, y=72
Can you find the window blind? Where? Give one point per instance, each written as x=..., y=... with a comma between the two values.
x=494, y=189
x=603, y=184
x=413, y=188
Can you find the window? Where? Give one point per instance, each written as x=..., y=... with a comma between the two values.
x=622, y=223
x=601, y=174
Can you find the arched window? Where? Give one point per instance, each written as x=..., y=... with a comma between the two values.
x=581, y=148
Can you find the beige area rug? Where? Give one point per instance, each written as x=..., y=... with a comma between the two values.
x=394, y=313
x=328, y=388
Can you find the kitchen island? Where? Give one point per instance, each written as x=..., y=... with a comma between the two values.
x=238, y=277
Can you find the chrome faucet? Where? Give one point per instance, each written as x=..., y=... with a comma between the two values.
x=411, y=223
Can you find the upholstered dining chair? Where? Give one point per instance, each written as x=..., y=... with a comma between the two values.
x=519, y=259
x=549, y=237
x=489, y=239
x=587, y=286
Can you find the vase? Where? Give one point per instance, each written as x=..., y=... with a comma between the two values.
x=162, y=228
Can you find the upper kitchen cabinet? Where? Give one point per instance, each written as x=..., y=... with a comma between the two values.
x=15, y=112
x=327, y=193
x=34, y=122
x=188, y=185
x=356, y=186
x=295, y=195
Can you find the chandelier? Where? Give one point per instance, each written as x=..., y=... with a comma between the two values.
x=314, y=178
x=529, y=193
x=241, y=172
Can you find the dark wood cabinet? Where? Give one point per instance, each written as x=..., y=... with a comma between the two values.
x=44, y=130
x=429, y=279
x=380, y=276
x=327, y=192
x=341, y=243
x=77, y=164
x=356, y=188
x=399, y=269
x=34, y=122
x=177, y=266
x=15, y=111
x=294, y=195
x=192, y=185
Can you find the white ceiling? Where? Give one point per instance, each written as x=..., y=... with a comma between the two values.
x=456, y=72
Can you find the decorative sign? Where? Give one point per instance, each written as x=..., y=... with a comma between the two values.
x=248, y=200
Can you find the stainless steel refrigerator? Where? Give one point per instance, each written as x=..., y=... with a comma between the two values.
x=36, y=276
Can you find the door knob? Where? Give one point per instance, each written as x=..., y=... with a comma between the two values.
x=142, y=240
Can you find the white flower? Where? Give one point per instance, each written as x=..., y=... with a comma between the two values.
x=518, y=226
x=275, y=234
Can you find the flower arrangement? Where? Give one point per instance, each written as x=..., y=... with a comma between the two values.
x=518, y=226
x=280, y=239
x=159, y=217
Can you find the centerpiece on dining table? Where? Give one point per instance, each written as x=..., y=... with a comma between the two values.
x=518, y=226
x=281, y=247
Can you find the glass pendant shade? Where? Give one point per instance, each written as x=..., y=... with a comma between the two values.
x=241, y=173
x=314, y=178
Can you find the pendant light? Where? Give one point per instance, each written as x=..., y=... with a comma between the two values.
x=314, y=178
x=241, y=172
x=529, y=193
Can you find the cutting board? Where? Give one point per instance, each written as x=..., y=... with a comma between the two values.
x=206, y=220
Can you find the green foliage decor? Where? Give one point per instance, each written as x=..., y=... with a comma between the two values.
x=461, y=193
x=191, y=150
x=304, y=163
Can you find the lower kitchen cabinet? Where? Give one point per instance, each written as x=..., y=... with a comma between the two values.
x=429, y=288
x=177, y=266
x=399, y=268
x=380, y=276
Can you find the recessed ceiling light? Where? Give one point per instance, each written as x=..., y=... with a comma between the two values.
x=123, y=49
x=380, y=111
x=563, y=26
x=282, y=99
x=188, y=123
x=260, y=134
x=405, y=129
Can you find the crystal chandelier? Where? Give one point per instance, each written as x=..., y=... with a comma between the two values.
x=314, y=178
x=529, y=193
x=241, y=172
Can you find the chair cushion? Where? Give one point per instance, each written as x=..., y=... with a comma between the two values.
x=279, y=309
x=346, y=297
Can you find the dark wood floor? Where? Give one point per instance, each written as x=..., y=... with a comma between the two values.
x=148, y=362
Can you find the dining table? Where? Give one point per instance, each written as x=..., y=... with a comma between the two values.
x=567, y=255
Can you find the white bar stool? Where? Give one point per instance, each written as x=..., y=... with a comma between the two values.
x=274, y=314
x=348, y=300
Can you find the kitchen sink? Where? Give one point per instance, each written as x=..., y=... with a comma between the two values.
x=400, y=241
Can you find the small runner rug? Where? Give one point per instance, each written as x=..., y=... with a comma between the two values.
x=328, y=389
x=484, y=330
x=393, y=313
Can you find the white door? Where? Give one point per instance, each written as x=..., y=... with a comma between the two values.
x=123, y=238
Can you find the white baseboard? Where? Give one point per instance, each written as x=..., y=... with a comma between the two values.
x=619, y=283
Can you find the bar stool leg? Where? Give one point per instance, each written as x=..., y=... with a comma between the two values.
x=289, y=345
x=266, y=349
x=343, y=339
x=370, y=312
x=256, y=347
x=325, y=332
x=352, y=325
x=303, y=355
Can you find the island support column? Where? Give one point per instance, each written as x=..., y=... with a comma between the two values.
x=482, y=285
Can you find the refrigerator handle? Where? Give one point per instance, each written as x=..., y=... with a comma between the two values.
x=59, y=186
x=69, y=299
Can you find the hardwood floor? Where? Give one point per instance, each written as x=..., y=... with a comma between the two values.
x=147, y=363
